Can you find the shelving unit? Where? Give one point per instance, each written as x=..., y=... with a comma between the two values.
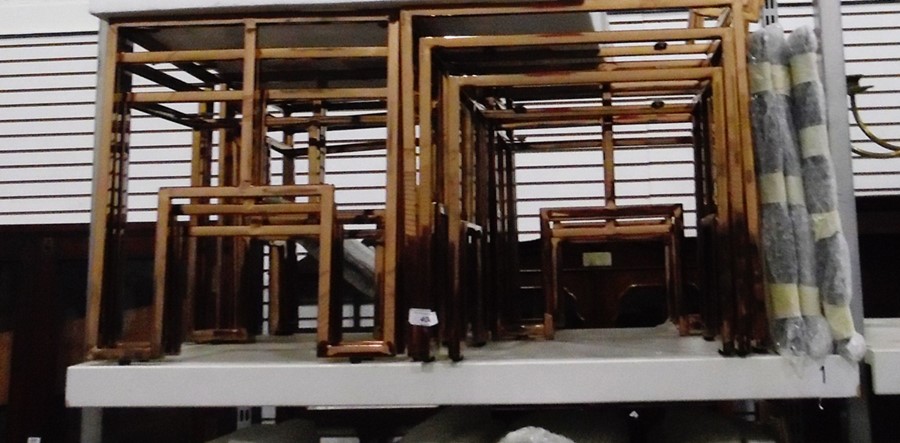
x=579, y=366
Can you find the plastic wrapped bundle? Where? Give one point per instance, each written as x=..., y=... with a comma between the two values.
x=831, y=251
x=532, y=434
x=291, y=431
x=816, y=335
x=457, y=424
x=772, y=134
x=564, y=425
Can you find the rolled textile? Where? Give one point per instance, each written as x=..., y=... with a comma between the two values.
x=816, y=335
x=770, y=135
x=832, y=256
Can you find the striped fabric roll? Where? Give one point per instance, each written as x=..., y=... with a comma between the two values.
x=832, y=258
x=771, y=137
x=816, y=334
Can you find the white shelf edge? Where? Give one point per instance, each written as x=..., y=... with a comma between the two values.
x=258, y=375
x=883, y=354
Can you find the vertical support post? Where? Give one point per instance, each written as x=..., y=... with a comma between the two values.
x=279, y=323
x=453, y=182
x=609, y=160
x=511, y=220
x=722, y=144
x=675, y=267
x=483, y=313
x=241, y=299
x=288, y=167
x=548, y=274
x=420, y=336
x=754, y=328
x=317, y=149
x=91, y=425
x=110, y=190
x=770, y=12
x=219, y=256
x=498, y=314
x=238, y=251
x=329, y=304
x=102, y=180
x=282, y=263
x=508, y=298
x=201, y=175
x=827, y=15
x=410, y=228
x=734, y=305
x=227, y=146
x=328, y=332
x=393, y=224
x=164, y=221
x=248, y=105
x=468, y=166
x=408, y=123
x=263, y=156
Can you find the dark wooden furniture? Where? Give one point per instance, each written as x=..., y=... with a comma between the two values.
x=660, y=223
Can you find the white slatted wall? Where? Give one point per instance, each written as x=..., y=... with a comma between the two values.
x=47, y=107
x=872, y=48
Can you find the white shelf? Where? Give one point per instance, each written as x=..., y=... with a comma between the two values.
x=883, y=355
x=587, y=366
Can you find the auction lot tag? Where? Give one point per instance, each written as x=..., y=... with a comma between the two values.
x=422, y=317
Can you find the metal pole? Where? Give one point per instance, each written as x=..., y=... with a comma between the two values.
x=91, y=425
x=770, y=12
x=827, y=14
x=92, y=418
x=829, y=28
x=828, y=20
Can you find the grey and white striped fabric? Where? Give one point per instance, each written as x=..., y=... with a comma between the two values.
x=771, y=136
x=832, y=257
x=816, y=337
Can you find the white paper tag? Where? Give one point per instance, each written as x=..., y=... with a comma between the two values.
x=422, y=317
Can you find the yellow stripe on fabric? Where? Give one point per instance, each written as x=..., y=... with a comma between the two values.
x=760, y=77
x=825, y=224
x=781, y=79
x=810, y=303
x=772, y=189
x=785, y=300
x=804, y=68
x=814, y=141
x=794, y=187
x=840, y=320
